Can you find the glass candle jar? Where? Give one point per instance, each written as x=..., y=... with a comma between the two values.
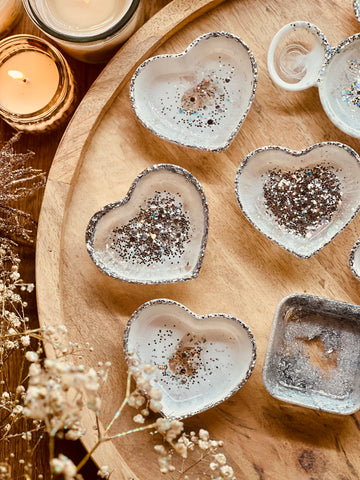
x=10, y=13
x=88, y=30
x=36, y=84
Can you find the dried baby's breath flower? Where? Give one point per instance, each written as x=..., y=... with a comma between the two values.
x=139, y=418
x=56, y=394
x=103, y=472
x=62, y=465
x=17, y=181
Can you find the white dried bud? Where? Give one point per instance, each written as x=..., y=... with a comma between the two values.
x=139, y=418
x=203, y=434
x=155, y=406
x=32, y=356
x=203, y=445
x=25, y=340
x=227, y=471
x=220, y=458
x=155, y=394
x=160, y=449
x=181, y=449
x=103, y=472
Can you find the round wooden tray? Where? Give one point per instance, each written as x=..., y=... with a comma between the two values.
x=243, y=274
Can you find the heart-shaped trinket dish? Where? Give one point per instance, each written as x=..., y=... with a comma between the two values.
x=157, y=233
x=200, y=97
x=300, y=199
x=200, y=361
x=313, y=354
x=300, y=56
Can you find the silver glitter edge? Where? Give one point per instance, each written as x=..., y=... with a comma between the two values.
x=317, y=304
x=192, y=45
x=353, y=251
x=166, y=301
x=356, y=6
x=91, y=228
x=335, y=51
x=294, y=153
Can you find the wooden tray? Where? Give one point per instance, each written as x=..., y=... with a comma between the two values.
x=243, y=274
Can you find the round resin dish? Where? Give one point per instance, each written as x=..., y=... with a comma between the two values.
x=157, y=233
x=198, y=98
x=299, y=57
x=300, y=199
x=313, y=354
x=200, y=360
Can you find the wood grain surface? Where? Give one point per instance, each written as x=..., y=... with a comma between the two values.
x=243, y=274
x=44, y=147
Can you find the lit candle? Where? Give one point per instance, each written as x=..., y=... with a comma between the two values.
x=36, y=85
x=89, y=30
x=10, y=13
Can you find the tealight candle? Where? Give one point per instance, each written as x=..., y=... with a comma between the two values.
x=10, y=13
x=36, y=84
x=89, y=30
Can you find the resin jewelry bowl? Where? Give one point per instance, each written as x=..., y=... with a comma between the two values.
x=300, y=56
x=313, y=354
x=300, y=199
x=198, y=98
x=200, y=360
x=157, y=233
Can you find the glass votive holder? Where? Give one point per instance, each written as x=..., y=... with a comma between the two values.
x=10, y=13
x=37, y=89
x=88, y=31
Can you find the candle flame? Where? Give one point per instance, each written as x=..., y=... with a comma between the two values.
x=16, y=74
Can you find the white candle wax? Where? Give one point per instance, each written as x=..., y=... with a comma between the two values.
x=79, y=17
x=89, y=30
x=10, y=12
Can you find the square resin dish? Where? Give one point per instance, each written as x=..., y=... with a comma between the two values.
x=200, y=361
x=200, y=97
x=313, y=355
x=300, y=199
x=157, y=233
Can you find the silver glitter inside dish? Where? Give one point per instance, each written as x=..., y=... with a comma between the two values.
x=198, y=98
x=302, y=201
x=157, y=233
x=191, y=354
x=313, y=354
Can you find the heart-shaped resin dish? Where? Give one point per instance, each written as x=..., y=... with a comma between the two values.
x=200, y=360
x=313, y=354
x=300, y=199
x=300, y=56
x=198, y=98
x=157, y=233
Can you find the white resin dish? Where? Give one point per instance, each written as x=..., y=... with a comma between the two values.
x=313, y=354
x=200, y=97
x=300, y=56
x=253, y=173
x=157, y=233
x=354, y=260
x=200, y=361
